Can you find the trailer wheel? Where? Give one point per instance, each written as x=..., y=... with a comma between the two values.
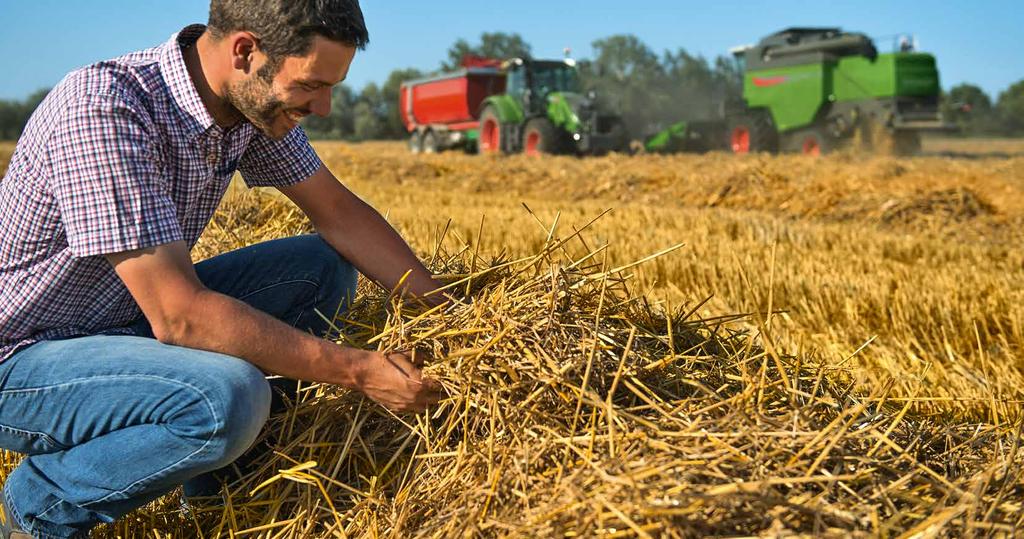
x=430, y=143
x=542, y=137
x=490, y=132
x=752, y=132
x=415, y=142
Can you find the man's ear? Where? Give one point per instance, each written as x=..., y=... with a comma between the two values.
x=243, y=47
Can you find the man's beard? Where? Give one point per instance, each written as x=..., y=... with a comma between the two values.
x=254, y=98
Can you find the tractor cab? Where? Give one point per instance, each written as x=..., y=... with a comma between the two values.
x=532, y=81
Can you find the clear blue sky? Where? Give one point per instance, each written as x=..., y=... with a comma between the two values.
x=977, y=41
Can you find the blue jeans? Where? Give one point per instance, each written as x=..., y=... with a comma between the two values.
x=110, y=423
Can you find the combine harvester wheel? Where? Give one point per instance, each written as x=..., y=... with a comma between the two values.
x=810, y=141
x=751, y=133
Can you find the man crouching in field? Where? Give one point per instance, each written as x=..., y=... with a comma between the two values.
x=114, y=179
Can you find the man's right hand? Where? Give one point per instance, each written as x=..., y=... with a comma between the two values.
x=395, y=382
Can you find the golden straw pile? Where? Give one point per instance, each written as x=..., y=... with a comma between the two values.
x=872, y=386
x=577, y=409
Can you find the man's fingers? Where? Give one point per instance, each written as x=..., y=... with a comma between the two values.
x=430, y=386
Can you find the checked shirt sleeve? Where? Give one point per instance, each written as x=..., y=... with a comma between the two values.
x=278, y=163
x=107, y=181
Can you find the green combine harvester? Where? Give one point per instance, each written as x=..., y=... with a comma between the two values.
x=812, y=90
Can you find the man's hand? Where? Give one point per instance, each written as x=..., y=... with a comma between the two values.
x=180, y=310
x=394, y=381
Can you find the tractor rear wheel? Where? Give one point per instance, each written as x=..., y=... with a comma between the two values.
x=752, y=132
x=430, y=142
x=490, y=141
x=542, y=137
x=416, y=141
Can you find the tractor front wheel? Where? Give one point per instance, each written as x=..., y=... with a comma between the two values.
x=490, y=132
x=542, y=137
x=752, y=132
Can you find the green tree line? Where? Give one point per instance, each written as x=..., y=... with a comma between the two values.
x=15, y=114
x=975, y=113
x=649, y=90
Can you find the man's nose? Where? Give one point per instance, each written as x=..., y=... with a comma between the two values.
x=321, y=104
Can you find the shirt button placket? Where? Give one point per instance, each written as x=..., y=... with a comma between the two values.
x=213, y=148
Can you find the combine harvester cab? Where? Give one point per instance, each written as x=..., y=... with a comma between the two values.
x=531, y=106
x=812, y=90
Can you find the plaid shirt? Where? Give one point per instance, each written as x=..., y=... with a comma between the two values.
x=121, y=155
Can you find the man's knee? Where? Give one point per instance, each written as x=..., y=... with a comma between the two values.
x=237, y=396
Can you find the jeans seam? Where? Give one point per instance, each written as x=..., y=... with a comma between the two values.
x=269, y=286
x=158, y=473
x=30, y=433
x=48, y=509
x=19, y=520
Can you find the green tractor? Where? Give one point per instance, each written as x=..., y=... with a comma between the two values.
x=543, y=110
x=811, y=90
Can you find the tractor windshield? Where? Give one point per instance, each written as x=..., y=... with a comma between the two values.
x=554, y=77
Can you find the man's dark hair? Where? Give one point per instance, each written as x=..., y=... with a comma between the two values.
x=288, y=27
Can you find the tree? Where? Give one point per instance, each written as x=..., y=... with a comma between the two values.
x=1010, y=109
x=497, y=45
x=623, y=73
x=14, y=115
x=369, y=114
x=393, y=127
x=690, y=86
x=970, y=108
x=338, y=124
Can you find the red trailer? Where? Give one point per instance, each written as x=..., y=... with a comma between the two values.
x=443, y=111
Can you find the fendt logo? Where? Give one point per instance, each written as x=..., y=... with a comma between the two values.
x=775, y=80
x=765, y=82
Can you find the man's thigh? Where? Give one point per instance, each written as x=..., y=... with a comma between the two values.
x=59, y=394
x=286, y=278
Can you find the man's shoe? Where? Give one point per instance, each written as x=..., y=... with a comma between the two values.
x=8, y=528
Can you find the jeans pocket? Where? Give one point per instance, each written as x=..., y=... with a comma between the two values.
x=28, y=442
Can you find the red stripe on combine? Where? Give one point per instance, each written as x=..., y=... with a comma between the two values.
x=764, y=82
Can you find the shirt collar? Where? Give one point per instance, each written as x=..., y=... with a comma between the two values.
x=183, y=90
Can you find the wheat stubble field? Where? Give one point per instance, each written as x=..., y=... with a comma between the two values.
x=836, y=348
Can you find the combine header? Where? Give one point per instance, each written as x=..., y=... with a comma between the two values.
x=519, y=105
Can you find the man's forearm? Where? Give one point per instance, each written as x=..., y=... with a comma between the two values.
x=264, y=341
x=369, y=242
